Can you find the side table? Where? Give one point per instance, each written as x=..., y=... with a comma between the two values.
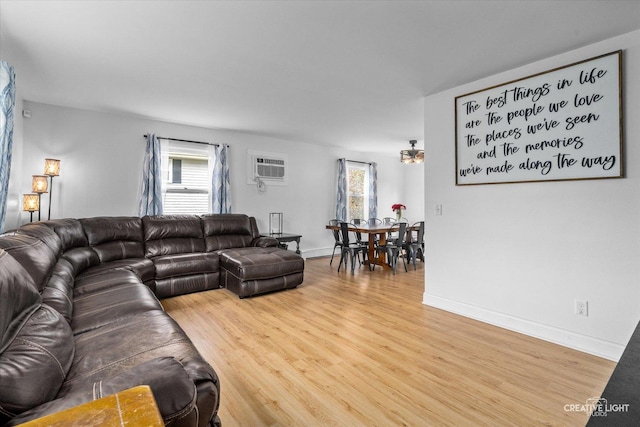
x=282, y=238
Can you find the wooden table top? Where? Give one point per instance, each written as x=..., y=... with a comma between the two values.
x=135, y=407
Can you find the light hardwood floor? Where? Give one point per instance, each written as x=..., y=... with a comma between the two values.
x=362, y=350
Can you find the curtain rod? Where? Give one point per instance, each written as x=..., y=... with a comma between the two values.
x=185, y=140
x=356, y=161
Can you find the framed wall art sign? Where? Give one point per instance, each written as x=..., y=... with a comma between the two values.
x=561, y=124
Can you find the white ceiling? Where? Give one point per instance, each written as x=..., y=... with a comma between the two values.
x=346, y=73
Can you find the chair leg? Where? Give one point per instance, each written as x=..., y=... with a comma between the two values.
x=408, y=255
x=392, y=260
x=404, y=262
x=341, y=259
x=354, y=255
x=334, y=252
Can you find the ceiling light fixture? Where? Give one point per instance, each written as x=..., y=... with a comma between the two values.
x=413, y=155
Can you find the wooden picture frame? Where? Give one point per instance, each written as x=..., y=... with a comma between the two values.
x=562, y=124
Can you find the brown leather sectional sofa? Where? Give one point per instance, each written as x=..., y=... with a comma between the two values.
x=80, y=315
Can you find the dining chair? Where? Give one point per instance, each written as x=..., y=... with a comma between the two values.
x=356, y=223
x=374, y=221
x=349, y=249
x=413, y=246
x=391, y=235
x=336, y=236
x=393, y=249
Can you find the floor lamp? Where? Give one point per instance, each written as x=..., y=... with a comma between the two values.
x=31, y=203
x=39, y=185
x=51, y=169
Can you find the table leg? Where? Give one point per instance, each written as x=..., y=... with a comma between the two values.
x=380, y=259
x=371, y=256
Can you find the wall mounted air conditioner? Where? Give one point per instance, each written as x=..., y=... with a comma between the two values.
x=271, y=168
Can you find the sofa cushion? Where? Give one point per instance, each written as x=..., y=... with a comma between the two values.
x=172, y=234
x=118, y=347
x=35, y=364
x=142, y=267
x=226, y=231
x=33, y=254
x=114, y=238
x=109, y=297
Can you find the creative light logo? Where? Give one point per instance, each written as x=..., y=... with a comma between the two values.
x=597, y=407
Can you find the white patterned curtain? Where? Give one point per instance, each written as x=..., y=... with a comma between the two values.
x=220, y=183
x=373, y=190
x=341, y=191
x=151, y=194
x=7, y=106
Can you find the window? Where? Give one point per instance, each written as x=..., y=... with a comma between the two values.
x=187, y=181
x=357, y=190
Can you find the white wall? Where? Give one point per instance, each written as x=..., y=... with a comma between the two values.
x=519, y=255
x=101, y=159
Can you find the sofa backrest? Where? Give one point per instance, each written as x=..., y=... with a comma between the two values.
x=19, y=298
x=40, y=231
x=114, y=238
x=33, y=254
x=58, y=289
x=36, y=343
x=69, y=231
x=224, y=231
x=75, y=246
x=172, y=234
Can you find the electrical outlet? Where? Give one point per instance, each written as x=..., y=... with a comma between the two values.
x=438, y=210
x=582, y=308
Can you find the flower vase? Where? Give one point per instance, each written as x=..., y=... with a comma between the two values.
x=398, y=214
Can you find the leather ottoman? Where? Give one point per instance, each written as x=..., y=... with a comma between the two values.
x=251, y=271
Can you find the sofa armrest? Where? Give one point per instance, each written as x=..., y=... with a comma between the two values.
x=264, y=242
x=173, y=390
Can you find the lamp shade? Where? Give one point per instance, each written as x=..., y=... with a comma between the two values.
x=40, y=183
x=51, y=167
x=30, y=202
x=413, y=155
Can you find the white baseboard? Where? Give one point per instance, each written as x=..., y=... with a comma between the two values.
x=316, y=253
x=597, y=347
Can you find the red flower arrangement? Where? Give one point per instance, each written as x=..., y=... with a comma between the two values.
x=398, y=206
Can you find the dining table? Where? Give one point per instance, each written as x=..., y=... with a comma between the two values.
x=373, y=230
